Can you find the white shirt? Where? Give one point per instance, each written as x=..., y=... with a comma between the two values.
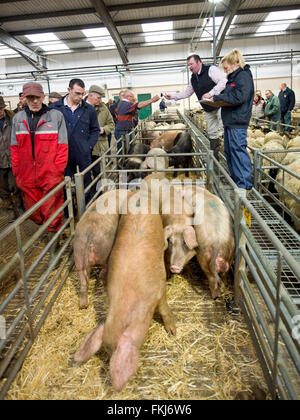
x=216, y=76
x=73, y=108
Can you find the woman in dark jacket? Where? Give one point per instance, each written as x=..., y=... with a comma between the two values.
x=239, y=92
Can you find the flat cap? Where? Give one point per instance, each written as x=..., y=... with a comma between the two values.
x=97, y=89
x=33, y=89
x=55, y=95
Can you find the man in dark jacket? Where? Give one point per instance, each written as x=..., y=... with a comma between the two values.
x=239, y=92
x=287, y=102
x=9, y=192
x=83, y=129
x=162, y=105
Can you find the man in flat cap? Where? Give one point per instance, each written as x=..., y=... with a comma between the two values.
x=21, y=104
x=39, y=152
x=106, y=124
x=54, y=97
x=9, y=192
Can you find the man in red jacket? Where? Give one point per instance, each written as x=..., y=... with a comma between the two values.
x=39, y=154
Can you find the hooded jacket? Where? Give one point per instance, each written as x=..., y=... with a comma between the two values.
x=46, y=166
x=239, y=92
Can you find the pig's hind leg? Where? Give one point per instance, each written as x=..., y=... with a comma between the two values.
x=91, y=345
x=123, y=361
x=166, y=314
x=84, y=284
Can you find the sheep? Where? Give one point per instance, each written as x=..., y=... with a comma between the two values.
x=166, y=141
x=178, y=126
x=273, y=136
x=290, y=158
x=292, y=184
x=257, y=143
x=294, y=143
x=257, y=133
x=274, y=145
x=162, y=162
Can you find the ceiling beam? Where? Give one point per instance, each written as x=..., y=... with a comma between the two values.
x=47, y=15
x=132, y=6
x=104, y=15
x=226, y=22
x=28, y=54
x=150, y=20
x=92, y=10
x=150, y=4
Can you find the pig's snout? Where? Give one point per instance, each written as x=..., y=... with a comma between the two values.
x=175, y=269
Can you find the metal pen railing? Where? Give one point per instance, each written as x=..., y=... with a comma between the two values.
x=29, y=297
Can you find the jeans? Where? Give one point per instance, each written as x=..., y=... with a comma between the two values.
x=286, y=119
x=237, y=156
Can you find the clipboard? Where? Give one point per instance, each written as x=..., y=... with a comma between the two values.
x=216, y=104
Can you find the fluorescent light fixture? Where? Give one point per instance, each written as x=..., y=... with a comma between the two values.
x=218, y=20
x=50, y=36
x=159, y=26
x=273, y=17
x=5, y=51
x=288, y=14
x=153, y=31
x=105, y=42
x=54, y=47
x=95, y=32
x=158, y=37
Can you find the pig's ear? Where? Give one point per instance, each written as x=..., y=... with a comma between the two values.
x=189, y=236
x=167, y=233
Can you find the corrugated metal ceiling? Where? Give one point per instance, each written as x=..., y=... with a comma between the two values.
x=33, y=6
x=159, y=12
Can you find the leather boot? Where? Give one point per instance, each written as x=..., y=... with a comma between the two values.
x=215, y=146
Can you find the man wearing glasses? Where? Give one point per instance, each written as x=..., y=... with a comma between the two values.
x=83, y=129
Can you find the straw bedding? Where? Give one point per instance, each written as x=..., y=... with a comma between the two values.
x=211, y=356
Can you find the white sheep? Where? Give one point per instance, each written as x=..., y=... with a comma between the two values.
x=292, y=184
x=294, y=143
x=275, y=144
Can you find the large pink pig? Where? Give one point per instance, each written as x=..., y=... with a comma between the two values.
x=94, y=237
x=136, y=287
x=214, y=237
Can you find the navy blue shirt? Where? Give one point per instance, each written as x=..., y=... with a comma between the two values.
x=71, y=115
x=82, y=125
